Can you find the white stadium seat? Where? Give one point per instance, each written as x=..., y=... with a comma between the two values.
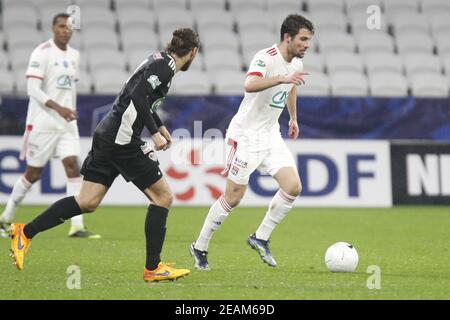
x=382, y=62
x=219, y=60
x=344, y=62
x=239, y=5
x=131, y=4
x=87, y=5
x=219, y=40
x=135, y=18
x=136, y=56
x=349, y=84
x=174, y=18
x=229, y=82
x=98, y=18
x=285, y=5
x=214, y=19
x=249, y=20
x=4, y=61
x=84, y=83
x=19, y=58
x=388, y=84
x=254, y=40
x=411, y=22
x=446, y=63
x=432, y=7
x=6, y=82
x=20, y=81
x=191, y=83
x=325, y=5
x=316, y=84
x=109, y=81
x=99, y=38
x=20, y=16
x=418, y=63
x=100, y=60
x=18, y=38
x=313, y=63
x=360, y=23
x=139, y=38
x=169, y=4
x=413, y=42
x=443, y=43
x=333, y=42
x=429, y=85
x=326, y=21
x=361, y=5
x=374, y=41
x=200, y=5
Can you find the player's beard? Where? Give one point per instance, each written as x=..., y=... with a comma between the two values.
x=186, y=66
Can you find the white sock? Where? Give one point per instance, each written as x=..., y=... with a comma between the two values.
x=19, y=191
x=73, y=187
x=217, y=214
x=279, y=207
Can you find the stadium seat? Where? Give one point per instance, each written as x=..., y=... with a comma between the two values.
x=239, y=5
x=219, y=60
x=333, y=42
x=250, y=20
x=443, y=43
x=22, y=16
x=446, y=63
x=313, y=63
x=99, y=38
x=48, y=10
x=440, y=24
x=253, y=40
x=198, y=63
x=316, y=84
x=19, y=58
x=414, y=42
x=169, y=4
x=6, y=82
x=131, y=4
x=382, y=62
x=100, y=60
x=229, y=82
x=219, y=40
x=200, y=5
x=325, y=5
x=139, y=38
x=410, y=23
x=279, y=14
x=349, y=84
x=174, y=18
x=429, y=85
x=135, y=18
x=344, y=62
x=136, y=56
x=191, y=83
x=87, y=5
x=374, y=41
x=329, y=21
x=84, y=83
x=388, y=84
x=8, y=4
x=2, y=40
x=76, y=40
x=17, y=38
x=4, y=61
x=213, y=19
x=98, y=18
x=401, y=6
x=418, y=63
x=20, y=81
x=432, y=7
x=109, y=81
x=285, y=5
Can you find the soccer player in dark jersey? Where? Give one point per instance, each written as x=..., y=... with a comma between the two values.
x=118, y=149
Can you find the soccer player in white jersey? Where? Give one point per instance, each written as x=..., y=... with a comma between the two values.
x=51, y=126
x=255, y=142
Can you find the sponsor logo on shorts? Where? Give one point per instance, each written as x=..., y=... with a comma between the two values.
x=234, y=170
x=240, y=163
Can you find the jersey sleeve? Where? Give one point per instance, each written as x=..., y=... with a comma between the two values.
x=147, y=96
x=37, y=64
x=259, y=65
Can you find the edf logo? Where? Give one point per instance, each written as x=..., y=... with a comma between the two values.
x=353, y=175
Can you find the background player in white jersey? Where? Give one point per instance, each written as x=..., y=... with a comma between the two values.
x=51, y=126
x=254, y=138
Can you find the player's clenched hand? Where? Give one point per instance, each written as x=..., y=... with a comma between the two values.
x=295, y=78
x=165, y=133
x=159, y=141
x=293, y=129
x=66, y=113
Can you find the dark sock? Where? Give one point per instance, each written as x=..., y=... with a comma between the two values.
x=55, y=215
x=155, y=231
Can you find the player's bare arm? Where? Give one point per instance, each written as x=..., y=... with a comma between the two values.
x=291, y=104
x=256, y=83
x=66, y=113
x=166, y=134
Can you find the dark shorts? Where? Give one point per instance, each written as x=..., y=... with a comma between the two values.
x=104, y=163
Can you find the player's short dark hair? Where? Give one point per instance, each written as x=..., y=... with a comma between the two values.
x=60, y=15
x=293, y=23
x=183, y=41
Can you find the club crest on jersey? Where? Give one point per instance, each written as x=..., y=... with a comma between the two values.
x=157, y=56
x=34, y=64
x=154, y=81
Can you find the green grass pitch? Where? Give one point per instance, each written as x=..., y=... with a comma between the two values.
x=409, y=244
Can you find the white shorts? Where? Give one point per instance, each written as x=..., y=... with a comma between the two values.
x=241, y=162
x=39, y=147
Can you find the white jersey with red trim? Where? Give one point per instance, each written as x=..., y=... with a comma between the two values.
x=257, y=117
x=58, y=70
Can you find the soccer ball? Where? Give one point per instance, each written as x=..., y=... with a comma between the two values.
x=341, y=257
